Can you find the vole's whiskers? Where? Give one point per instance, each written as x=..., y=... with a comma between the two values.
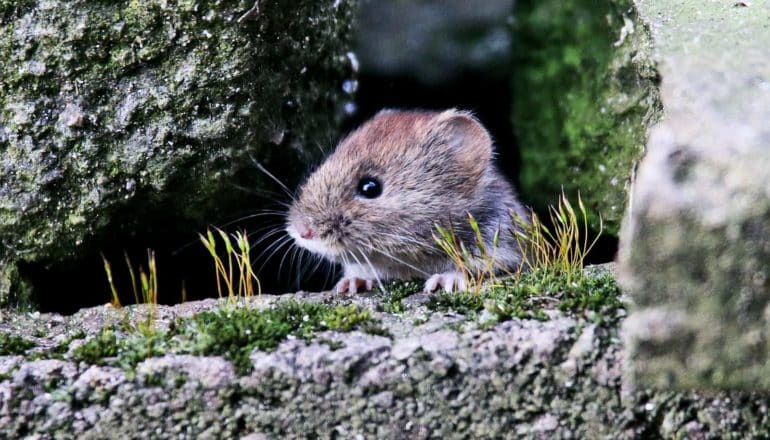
x=296, y=255
x=276, y=246
x=394, y=258
x=329, y=270
x=275, y=230
x=259, y=214
x=307, y=270
x=279, y=242
x=272, y=226
x=300, y=267
x=402, y=238
x=374, y=272
x=225, y=225
x=263, y=192
x=261, y=167
x=320, y=148
x=291, y=249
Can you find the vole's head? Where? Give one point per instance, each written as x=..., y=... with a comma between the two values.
x=389, y=181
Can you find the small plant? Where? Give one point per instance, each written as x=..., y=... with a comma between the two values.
x=233, y=332
x=148, y=281
x=477, y=265
x=236, y=263
x=147, y=285
x=115, y=298
x=551, y=276
x=561, y=249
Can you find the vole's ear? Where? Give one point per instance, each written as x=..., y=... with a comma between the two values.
x=464, y=135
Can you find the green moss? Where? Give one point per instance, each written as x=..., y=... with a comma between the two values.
x=333, y=345
x=532, y=293
x=124, y=350
x=13, y=344
x=63, y=347
x=462, y=302
x=584, y=98
x=396, y=291
x=15, y=291
x=374, y=328
x=600, y=295
x=235, y=333
x=230, y=332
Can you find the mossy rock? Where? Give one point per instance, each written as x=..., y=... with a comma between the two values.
x=309, y=365
x=695, y=247
x=115, y=113
x=585, y=94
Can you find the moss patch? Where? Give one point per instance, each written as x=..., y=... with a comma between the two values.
x=230, y=332
x=396, y=291
x=125, y=350
x=531, y=294
x=585, y=93
x=13, y=344
x=236, y=333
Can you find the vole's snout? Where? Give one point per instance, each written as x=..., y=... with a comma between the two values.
x=305, y=231
x=314, y=236
x=302, y=228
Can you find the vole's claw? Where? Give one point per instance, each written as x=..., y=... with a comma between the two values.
x=353, y=285
x=449, y=281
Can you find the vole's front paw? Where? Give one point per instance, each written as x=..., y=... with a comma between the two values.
x=353, y=285
x=450, y=281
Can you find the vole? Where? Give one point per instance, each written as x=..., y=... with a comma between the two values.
x=374, y=203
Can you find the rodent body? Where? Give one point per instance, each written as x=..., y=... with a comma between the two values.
x=374, y=204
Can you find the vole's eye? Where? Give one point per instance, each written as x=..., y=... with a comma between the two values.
x=369, y=187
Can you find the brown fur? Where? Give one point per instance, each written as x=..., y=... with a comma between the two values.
x=434, y=168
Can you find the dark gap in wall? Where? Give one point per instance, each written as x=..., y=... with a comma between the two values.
x=181, y=258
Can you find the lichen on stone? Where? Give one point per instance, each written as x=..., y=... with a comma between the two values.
x=585, y=94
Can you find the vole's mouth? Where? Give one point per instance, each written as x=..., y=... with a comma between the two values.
x=317, y=245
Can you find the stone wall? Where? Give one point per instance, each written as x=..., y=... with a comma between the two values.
x=695, y=248
x=420, y=373
x=122, y=117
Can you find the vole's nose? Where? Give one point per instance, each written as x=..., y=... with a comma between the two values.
x=303, y=229
x=307, y=233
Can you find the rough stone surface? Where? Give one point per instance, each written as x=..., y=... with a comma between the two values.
x=119, y=112
x=696, y=243
x=585, y=93
x=434, y=41
x=438, y=375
